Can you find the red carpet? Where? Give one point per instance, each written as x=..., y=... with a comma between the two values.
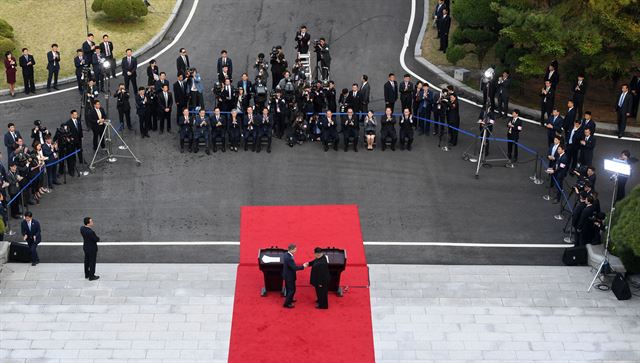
x=262, y=330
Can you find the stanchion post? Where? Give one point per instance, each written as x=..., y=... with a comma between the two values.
x=534, y=176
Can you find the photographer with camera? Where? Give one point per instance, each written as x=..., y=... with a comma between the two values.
x=64, y=138
x=261, y=68
x=123, y=106
x=39, y=132
x=323, y=59
x=83, y=72
x=278, y=109
x=585, y=174
x=195, y=89
x=278, y=65
x=50, y=151
x=302, y=40
x=298, y=132
x=14, y=179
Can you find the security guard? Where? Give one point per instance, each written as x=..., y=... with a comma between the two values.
x=250, y=129
x=329, y=131
x=407, y=124
x=201, y=123
x=350, y=126
x=513, y=134
x=218, y=129
x=388, y=130
x=266, y=130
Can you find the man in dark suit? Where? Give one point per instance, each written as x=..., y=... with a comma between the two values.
x=579, y=93
x=407, y=92
x=142, y=110
x=320, y=278
x=365, y=92
x=289, y=270
x=180, y=95
x=26, y=63
x=622, y=179
x=624, y=108
x=453, y=119
x=572, y=139
x=504, y=83
x=554, y=126
x=547, y=99
x=162, y=81
x=569, y=117
x=437, y=15
x=53, y=66
x=96, y=118
x=354, y=99
x=443, y=30
x=390, y=92
x=76, y=133
x=106, y=48
x=588, y=123
x=587, y=144
x=129, y=66
x=560, y=171
x=514, y=127
x=78, y=62
x=88, y=47
x=10, y=139
x=31, y=234
x=165, y=102
x=182, y=62
x=225, y=61
x=90, y=248
x=302, y=40
x=98, y=69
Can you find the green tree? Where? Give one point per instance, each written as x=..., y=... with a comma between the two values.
x=120, y=10
x=601, y=38
x=7, y=42
x=477, y=29
x=624, y=231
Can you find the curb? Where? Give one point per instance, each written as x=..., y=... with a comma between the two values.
x=476, y=95
x=150, y=44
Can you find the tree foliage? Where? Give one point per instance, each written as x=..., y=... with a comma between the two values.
x=477, y=29
x=120, y=10
x=624, y=230
x=7, y=42
x=601, y=38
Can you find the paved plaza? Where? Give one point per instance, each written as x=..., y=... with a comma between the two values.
x=426, y=313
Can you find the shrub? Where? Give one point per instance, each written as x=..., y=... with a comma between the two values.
x=120, y=10
x=6, y=44
x=6, y=30
x=625, y=239
x=455, y=54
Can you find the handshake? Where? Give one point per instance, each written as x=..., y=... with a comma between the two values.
x=305, y=265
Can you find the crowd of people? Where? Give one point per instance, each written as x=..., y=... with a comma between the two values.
x=247, y=113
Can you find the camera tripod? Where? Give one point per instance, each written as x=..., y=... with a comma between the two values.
x=481, y=158
x=110, y=156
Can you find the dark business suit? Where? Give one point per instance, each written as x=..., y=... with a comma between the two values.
x=586, y=150
x=90, y=248
x=182, y=64
x=546, y=103
x=87, y=52
x=79, y=64
x=579, y=92
x=556, y=128
x=443, y=32
x=53, y=67
x=107, y=50
x=503, y=96
x=76, y=132
x=9, y=142
x=225, y=62
x=569, y=118
x=634, y=86
x=365, y=92
x=390, y=94
x=92, y=120
x=164, y=103
x=180, y=96
x=33, y=238
x=289, y=269
x=320, y=280
x=560, y=172
x=623, y=109
x=130, y=66
x=27, y=72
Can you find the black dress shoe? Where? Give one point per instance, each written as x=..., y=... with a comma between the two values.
x=93, y=278
x=288, y=306
x=269, y=152
x=33, y=263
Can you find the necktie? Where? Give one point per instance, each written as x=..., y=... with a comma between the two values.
x=166, y=101
x=14, y=136
x=107, y=51
x=621, y=99
x=129, y=60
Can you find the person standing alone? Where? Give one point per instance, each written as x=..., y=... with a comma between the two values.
x=31, y=234
x=90, y=247
x=320, y=278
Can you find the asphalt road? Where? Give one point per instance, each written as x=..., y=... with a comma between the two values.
x=422, y=195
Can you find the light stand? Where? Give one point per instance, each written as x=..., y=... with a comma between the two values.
x=481, y=158
x=111, y=157
x=618, y=168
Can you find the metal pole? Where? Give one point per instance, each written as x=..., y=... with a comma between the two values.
x=605, y=259
x=86, y=16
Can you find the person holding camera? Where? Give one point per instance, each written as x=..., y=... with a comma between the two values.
x=323, y=59
x=123, y=106
x=303, y=38
x=278, y=65
x=559, y=171
x=39, y=132
x=195, y=89
x=50, y=151
x=142, y=110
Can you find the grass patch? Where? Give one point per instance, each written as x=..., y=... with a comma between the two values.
x=39, y=23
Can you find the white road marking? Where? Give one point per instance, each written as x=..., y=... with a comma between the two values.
x=162, y=51
x=405, y=45
x=403, y=244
